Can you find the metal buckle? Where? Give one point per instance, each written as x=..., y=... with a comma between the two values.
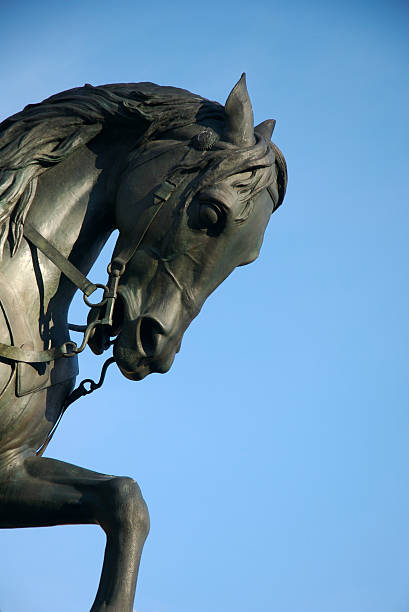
x=165, y=190
x=69, y=353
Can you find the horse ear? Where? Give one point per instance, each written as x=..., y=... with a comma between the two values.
x=266, y=128
x=239, y=128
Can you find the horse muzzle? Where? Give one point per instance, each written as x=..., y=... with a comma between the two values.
x=145, y=346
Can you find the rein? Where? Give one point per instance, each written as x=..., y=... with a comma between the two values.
x=79, y=392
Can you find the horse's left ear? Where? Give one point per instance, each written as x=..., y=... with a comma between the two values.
x=266, y=128
x=239, y=128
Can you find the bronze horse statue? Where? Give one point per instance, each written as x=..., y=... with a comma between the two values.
x=190, y=185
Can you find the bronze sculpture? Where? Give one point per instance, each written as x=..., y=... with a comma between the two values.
x=190, y=185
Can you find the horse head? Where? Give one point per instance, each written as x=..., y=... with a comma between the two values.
x=199, y=198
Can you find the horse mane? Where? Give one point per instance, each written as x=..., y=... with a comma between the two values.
x=44, y=134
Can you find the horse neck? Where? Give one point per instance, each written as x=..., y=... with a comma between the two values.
x=74, y=209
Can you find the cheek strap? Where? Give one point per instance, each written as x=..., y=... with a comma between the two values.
x=126, y=247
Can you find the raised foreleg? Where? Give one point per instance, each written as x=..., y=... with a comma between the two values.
x=40, y=492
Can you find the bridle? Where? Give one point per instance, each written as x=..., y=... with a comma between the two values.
x=116, y=268
x=123, y=252
x=166, y=193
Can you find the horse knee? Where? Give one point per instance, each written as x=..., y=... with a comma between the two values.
x=127, y=506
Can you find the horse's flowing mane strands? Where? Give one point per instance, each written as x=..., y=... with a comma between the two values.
x=44, y=134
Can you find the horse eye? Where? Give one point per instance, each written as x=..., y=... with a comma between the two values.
x=209, y=215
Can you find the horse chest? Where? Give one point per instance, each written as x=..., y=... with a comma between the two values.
x=16, y=330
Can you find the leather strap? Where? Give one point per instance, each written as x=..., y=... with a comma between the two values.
x=20, y=331
x=15, y=353
x=66, y=267
x=162, y=195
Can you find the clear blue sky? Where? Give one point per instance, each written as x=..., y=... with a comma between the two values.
x=274, y=456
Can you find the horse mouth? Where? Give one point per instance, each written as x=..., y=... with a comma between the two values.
x=103, y=336
x=138, y=375
x=135, y=366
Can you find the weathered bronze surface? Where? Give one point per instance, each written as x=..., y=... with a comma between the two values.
x=191, y=186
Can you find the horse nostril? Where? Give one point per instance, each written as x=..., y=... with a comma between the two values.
x=148, y=331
